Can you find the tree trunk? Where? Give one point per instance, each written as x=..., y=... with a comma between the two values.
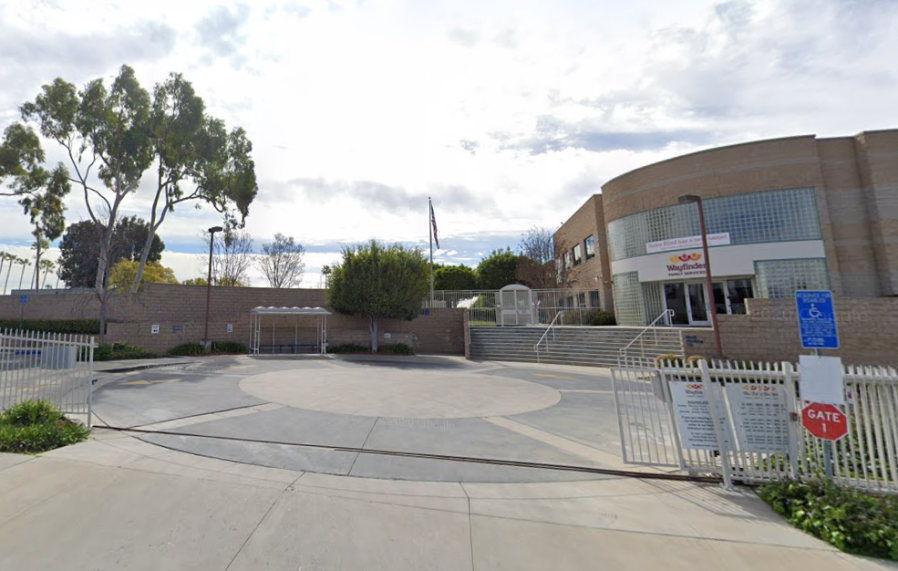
x=8, y=272
x=22, y=276
x=102, y=284
x=144, y=256
x=37, y=266
x=372, y=327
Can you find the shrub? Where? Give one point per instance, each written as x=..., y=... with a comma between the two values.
x=396, y=349
x=851, y=520
x=598, y=317
x=188, y=349
x=349, y=348
x=228, y=347
x=119, y=351
x=78, y=326
x=37, y=426
x=675, y=360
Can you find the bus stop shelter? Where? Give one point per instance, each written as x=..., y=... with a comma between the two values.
x=278, y=324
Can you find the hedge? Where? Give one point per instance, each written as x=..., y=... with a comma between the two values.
x=79, y=326
x=37, y=426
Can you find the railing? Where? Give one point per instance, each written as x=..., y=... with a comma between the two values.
x=47, y=366
x=544, y=336
x=669, y=313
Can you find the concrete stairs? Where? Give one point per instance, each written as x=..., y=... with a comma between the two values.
x=590, y=346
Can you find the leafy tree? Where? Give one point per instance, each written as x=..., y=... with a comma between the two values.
x=122, y=132
x=195, y=282
x=124, y=270
x=41, y=192
x=232, y=256
x=376, y=281
x=80, y=248
x=459, y=277
x=497, y=270
x=282, y=262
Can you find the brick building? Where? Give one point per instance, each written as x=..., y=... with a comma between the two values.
x=782, y=215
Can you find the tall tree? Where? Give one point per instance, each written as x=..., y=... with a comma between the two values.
x=535, y=267
x=47, y=266
x=79, y=248
x=13, y=260
x=122, y=132
x=376, y=281
x=281, y=262
x=232, y=258
x=459, y=277
x=124, y=270
x=497, y=270
x=41, y=192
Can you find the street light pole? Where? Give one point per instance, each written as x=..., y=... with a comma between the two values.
x=709, y=283
x=207, y=343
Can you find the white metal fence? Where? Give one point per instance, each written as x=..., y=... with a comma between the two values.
x=741, y=421
x=47, y=366
x=576, y=306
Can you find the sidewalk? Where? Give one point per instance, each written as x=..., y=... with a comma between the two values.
x=116, y=502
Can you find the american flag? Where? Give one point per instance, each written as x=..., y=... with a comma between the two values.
x=433, y=220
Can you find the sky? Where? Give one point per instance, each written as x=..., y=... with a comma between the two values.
x=509, y=114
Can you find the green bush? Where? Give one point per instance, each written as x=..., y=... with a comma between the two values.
x=851, y=520
x=188, y=349
x=349, y=348
x=228, y=347
x=79, y=326
x=37, y=426
x=598, y=317
x=120, y=351
x=395, y=349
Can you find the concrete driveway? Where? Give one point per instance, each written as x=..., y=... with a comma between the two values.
x=121, y=502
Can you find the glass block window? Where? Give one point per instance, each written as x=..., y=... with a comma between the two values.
x=770, y=216
x=589, y=245
x=627, y=299
x=578, y=255
x=651, y=295
x=782, y=278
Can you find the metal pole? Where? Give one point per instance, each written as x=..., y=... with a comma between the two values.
x=709, y=284
x=430, y=234
x=828, y=459
x=207, y=344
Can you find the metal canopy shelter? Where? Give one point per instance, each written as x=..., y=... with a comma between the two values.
x=256, y=345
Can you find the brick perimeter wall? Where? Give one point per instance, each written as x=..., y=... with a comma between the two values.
x=868, y=332
x=180, y=313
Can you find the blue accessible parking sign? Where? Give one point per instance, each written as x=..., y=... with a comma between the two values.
x=817, y=319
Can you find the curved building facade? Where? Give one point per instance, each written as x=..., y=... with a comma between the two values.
x=781, y=215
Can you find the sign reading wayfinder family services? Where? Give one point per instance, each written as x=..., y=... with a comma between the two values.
x=687, y=264
x=721, y=239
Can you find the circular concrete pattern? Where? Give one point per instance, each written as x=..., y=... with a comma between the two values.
x=376, y=391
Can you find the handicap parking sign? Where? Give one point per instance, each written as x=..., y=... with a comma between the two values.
x=816, y=319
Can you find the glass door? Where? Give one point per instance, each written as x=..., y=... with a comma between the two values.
x=675, y=300
x=698, y=305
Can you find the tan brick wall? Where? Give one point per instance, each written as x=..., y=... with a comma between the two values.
x=587, y=220
x=180, y=313
x=868, y=332
x=878, y=160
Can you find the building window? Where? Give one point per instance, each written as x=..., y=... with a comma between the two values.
x=627, y=299
x=594, y=299
x=782, y=278
x=578, y=256
x=589, y=245
x=770, y=216
x=559, y=272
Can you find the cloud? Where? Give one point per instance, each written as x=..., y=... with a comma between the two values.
x=468, y=145
x=222, y=34
x=379, y=196
x=464, y=36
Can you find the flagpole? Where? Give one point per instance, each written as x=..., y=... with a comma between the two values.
x=430, y=231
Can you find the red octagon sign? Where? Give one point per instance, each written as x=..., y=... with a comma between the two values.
x=824, y=421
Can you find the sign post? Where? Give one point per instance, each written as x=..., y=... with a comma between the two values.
x=23, y=299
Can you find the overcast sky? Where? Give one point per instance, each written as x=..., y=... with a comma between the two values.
x=508, y=113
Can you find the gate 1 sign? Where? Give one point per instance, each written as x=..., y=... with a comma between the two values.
x=824, y=421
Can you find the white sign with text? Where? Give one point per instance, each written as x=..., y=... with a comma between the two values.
x=720, y=239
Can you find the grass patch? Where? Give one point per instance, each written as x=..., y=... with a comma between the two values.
x=189, y=349
x=395, y=349
x=228, y=347
x=121, y=351
x=854, y=521
x=37, y=426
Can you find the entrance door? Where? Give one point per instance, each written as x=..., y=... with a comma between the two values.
x=698, y=305
x=688, y=302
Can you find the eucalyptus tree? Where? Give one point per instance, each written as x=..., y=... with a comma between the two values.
x=114, y=135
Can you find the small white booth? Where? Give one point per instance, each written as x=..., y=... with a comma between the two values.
x=517, y=305
x=290, y=330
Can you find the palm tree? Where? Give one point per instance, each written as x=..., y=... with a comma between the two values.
x=47, y=266
x=24, y=264
x=12, y=260
x=3, y=257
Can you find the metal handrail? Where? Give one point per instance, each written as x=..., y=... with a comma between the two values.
x=669, y=313
x=549, y=328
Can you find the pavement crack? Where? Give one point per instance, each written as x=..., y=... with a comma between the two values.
x=470, y=523
x=362, y=447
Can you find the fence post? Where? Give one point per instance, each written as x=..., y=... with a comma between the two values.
x=792, y=413
x=709, y=388
x=90, y=382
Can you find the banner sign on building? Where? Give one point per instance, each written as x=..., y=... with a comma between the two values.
x=720, y=239
x=685, y=265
